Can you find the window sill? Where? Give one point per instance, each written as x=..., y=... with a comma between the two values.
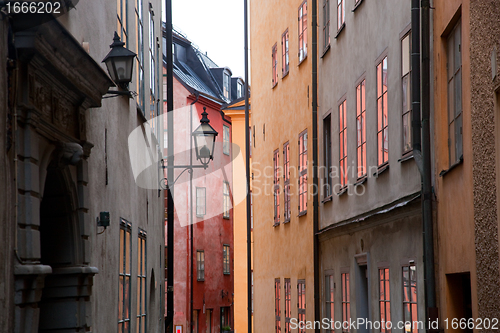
x=453, y=166
x=276, y=224
x=202, y=280
x=361, y=180
x=381, y=169
x=274, y=85
x=301, y=61
x=227, y=274
x=285, y=74
x=327, y=48
x=327, y=199
x=200, y=216
x=302, y=213
x=357, y=5
x=340, y=30
x=342, y=191
x=406, y=157
x=286, y=221
x=226, y=217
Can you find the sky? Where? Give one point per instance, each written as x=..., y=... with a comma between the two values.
x=216, y=27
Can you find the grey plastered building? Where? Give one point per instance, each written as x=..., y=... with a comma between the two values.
x=370, y=228
x=65, y=160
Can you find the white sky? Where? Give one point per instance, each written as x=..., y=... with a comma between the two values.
x=216, y=27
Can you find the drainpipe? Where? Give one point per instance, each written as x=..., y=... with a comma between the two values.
x=314, y=24
x=191, y=206
x=170, y=171
x=247, y=174
x=429, y=277
x=422, y=142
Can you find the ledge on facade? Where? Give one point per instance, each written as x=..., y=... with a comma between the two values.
x=357, y=5
x=76, y=270
x=361, y=180
x=325, y=50
x=380, y=210
x=453, y=166
x=340, y=30
x=50, y=45
x=381, y=169
x=33, y=269
x=286, y=221
x=406, y=157
x=342, y=191
x=276, y=224
x=302, y=213
x=327, y=199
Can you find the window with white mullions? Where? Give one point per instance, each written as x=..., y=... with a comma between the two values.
x=285, y=62
x=340, y=13
x=455, y=122
x=139, y=42
x=225, y=140
x=141, y=283
x=125, y=264
x=274, y=57
x=226, y=200
x=225, y=259
x=303, y=31
x=410, y=298
x=200, y=265
x=201, y=201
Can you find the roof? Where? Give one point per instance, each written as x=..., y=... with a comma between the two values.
x=238, y=104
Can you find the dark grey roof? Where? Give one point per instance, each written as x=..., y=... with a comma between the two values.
x=189, y=77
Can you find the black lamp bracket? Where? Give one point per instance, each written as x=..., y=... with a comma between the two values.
x=115, y=93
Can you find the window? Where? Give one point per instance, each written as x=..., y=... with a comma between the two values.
x=410, y=298
x=384, y=299
x=152, y=52
x=201, y=201
x=303, y=172
x=343, y=144
x=288, y=305
x=284, y=50
x=225, y=84
x=139, y=42
x=225, y=259
x=251, y=210
x=303, y=31
x=346, y=302
x=361, y=129
x=326, y=23
x=209, y=320
x=406, y=84
x=286, y=178
x=277, y=305
x=141, y=282
x=225, y=138
x=125, y=263
x=276, y=161
x=195, y=321
x=327, y=155
x=454, y=59
x=252, y=289
x=225, y=194
x=274, y=57
x=301, y=307
x=224, y=316
x=382, y=130
x=122, y=21
x=200, y=264
x=340, y=14
x=239, y=90
x=329, y=304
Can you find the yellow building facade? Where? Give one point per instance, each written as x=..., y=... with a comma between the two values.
x=281, y=72
x=236, y=112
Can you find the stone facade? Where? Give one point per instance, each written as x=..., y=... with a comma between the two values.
x=65, y=161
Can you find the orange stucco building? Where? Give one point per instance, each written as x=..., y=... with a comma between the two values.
x=466, y=36
x=281, y=124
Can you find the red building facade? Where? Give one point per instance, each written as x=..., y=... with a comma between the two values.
x=206, y=243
